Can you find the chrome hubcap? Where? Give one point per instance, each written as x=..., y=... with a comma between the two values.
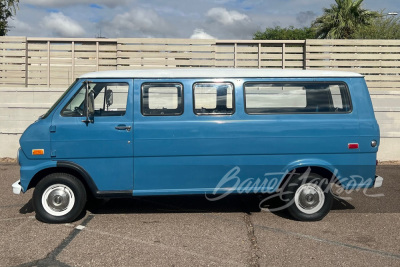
x=309, y=198
x=58, y=200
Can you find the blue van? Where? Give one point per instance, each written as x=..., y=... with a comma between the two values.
x=201, y=131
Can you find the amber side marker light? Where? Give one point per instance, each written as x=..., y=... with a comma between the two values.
x=36, y=152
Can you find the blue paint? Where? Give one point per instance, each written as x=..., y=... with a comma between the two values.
x=190, y=154
x=98, y=147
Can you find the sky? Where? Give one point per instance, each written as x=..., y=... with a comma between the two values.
x=219, y=19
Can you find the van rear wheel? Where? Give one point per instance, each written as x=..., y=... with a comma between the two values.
x=59, y=198
x=310, y=196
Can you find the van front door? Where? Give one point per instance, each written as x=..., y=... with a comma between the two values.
x=103, y=147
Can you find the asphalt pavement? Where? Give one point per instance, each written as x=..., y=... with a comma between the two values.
x=363, y=229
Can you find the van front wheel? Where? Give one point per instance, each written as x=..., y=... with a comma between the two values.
x=59, y=198
x=310, y=196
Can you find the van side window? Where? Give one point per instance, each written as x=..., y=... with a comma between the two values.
x=264, y=98
x=110, y=99
x=162, y=99
x=213, y=98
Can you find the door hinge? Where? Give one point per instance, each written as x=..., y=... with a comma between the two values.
x=53, y=154
x=52, y=128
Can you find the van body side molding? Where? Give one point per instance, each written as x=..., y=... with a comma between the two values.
x=114, y=194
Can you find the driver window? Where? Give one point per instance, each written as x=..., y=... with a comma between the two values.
x=110, y=99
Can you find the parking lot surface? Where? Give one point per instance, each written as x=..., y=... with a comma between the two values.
x=362, y=230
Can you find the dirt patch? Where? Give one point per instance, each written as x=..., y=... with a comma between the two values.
x=8, y=160
x=390, y=162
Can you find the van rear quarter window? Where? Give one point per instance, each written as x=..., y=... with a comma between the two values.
x=314, y=97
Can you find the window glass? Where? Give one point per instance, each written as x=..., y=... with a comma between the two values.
x=213, y=98
x=118, y=92
x=336, y=96
x=263, y=98
x=110, y=99
x=276, y=96
x=162, y=99
x=99, y=100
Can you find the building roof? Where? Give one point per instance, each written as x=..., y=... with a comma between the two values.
x=217, y=73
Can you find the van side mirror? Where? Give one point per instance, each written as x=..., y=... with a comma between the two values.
x=89, y=104
x=109, y=97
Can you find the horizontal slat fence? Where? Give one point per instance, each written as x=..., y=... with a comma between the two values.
x=13, y=61
x=378, y=60
x=164, y=53
x=56, y=62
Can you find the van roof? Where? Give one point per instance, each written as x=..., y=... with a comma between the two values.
x=217, y=73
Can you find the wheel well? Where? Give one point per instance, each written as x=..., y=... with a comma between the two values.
x=43, y=173
x=314, y=169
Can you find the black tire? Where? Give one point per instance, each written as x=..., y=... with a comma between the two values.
x=59, y=188
x=305, y=193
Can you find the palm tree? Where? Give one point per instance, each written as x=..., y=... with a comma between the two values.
x=7, y=10
x=343, y=19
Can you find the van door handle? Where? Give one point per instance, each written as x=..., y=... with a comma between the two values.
x=123, y=127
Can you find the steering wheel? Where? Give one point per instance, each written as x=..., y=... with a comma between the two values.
x=79, y=110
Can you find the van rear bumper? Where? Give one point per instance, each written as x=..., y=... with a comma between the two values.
x=378, y=181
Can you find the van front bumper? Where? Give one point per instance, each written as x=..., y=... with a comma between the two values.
x=17, y=188
x=378, y=181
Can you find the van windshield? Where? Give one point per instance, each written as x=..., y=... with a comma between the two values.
x=58, y=101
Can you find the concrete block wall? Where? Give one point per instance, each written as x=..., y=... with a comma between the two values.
x=21, y=106
x=387, y=113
